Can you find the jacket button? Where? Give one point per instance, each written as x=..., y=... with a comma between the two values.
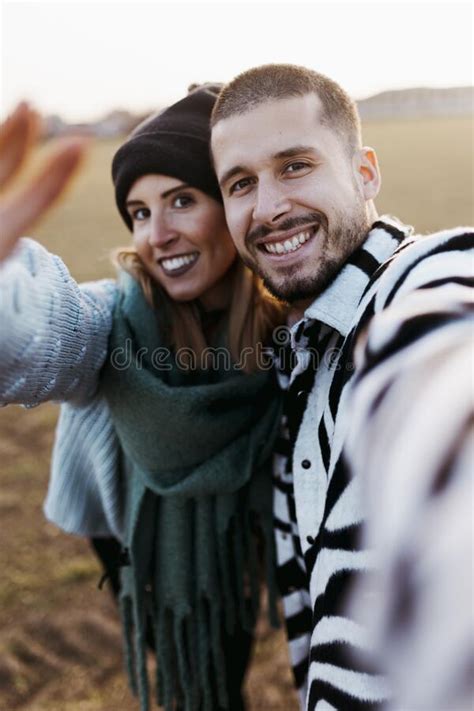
x=300, y=393
x=306, y=464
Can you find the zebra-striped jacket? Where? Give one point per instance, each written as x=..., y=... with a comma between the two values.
x=319, y=507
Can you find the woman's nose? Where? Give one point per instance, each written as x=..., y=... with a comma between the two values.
x=161, y=233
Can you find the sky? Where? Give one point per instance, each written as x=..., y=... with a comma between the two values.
x=82, y=59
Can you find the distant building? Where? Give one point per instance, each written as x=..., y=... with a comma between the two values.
x=53, y=126
x=417, y=103
x=405, y=103
x=115, y=123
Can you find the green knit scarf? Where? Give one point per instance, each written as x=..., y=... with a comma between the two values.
x=197, y=451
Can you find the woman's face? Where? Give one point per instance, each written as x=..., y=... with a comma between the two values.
x=181, y=236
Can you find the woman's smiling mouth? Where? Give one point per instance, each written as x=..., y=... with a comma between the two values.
x=178, y=265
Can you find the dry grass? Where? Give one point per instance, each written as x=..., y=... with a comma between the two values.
x=53, y=618
x=427, y=171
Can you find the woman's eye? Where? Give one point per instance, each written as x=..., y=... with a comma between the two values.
x=239, y=185
x=181, y=201
x=142, y=213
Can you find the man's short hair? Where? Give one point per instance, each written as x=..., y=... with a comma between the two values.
x=282, y=81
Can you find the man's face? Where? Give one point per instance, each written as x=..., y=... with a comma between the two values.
x=294, y=196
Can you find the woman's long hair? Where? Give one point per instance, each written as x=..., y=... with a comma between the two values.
x=252, y=314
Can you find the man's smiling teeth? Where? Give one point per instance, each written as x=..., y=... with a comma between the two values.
x=289, y=245
x=177, y=262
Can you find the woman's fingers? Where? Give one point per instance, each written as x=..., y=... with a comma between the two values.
x=20, y=210
x=17, y=135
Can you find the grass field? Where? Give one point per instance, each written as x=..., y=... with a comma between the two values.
x=59, y=640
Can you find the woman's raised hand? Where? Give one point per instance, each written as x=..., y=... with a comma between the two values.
x=21, y=208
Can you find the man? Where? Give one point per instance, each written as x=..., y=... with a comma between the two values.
x=298, y=189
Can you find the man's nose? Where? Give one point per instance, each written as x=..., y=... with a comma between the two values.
x=271, y=203
x=161, y=232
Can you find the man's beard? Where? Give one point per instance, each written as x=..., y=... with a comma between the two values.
x=339, y=243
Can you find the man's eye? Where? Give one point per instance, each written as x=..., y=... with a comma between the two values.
x=239, y=185
x=296, y=166
x=181, y=201
x=142, y=213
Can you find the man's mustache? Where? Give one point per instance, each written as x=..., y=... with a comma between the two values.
x=290, y=223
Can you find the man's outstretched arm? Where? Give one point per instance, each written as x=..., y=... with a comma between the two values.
x=412, y=441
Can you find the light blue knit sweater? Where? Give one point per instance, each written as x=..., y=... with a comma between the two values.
x=53, y=343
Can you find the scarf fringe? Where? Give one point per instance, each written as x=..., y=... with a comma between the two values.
x=126, y=615
x=273, y=594
x=191, y=670
x=139, y=620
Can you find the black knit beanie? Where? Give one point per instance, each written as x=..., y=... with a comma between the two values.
x=174, y=142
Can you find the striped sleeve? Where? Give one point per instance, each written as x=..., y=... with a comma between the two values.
x=411, y=441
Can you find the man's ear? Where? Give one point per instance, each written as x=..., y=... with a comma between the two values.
x=368, y=172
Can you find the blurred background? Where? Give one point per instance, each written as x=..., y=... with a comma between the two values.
x=98, y=68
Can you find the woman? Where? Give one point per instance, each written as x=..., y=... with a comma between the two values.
x=165, y=435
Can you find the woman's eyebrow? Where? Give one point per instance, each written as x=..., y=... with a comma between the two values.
x=169, y=192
